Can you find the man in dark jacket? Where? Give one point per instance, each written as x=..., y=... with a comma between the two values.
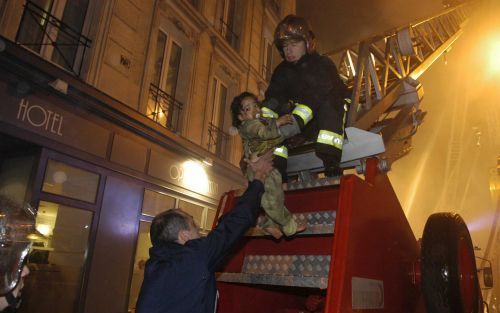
x=179, y=276
x=308, y=85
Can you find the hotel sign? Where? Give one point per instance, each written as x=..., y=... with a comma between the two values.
x=40, y=117
x=43, y=117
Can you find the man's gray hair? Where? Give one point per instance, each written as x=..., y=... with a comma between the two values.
x=167, y=225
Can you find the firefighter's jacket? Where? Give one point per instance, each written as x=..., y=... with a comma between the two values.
x=259, y=135
x=181, y=278
x=313, y=82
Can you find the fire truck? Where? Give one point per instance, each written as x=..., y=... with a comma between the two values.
x=358, y=253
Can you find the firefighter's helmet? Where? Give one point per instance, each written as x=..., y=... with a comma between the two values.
x=17, y=228
x=294, y=27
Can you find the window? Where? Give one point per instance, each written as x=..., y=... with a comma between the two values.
x=57, y=259
x=218, y=141
x=53, y=28
x=270, y=55
x=267, y=60
x=227, y=17
x=65, y=180
x=275, y=7
x=196, y=211
x=163, y=107
x=155, y=203
x=141, y=256
x=3, y=4
x=195, y=3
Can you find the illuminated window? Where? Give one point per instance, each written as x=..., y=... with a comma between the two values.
x=57, y=259
x=163, y=106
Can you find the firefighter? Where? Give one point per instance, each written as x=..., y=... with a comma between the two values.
x=309, y=86
x=17, y=226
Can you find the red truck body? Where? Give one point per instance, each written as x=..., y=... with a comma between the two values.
x=372, y=250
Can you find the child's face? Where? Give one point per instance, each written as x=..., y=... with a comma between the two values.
x=249, y=109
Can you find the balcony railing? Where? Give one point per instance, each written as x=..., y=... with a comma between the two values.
x=164, y=109
x=39, y=28
x=228, y=33
x=218, y=142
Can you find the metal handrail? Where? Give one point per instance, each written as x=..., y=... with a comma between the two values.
x=39, y=14
x=218, y=141
x=167, y=106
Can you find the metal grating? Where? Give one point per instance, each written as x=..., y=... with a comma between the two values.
x=318, y=223
x=282, y=270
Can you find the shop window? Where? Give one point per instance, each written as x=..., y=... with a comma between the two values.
x=141, y=256
x=218, y=139
x=65, y=180
x=53, y=28
x=155, y=203
x=210, y=219
x=57, y=259
x=163, y=107
x=196, y=211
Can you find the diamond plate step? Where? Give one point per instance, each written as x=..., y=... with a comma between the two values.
x=313, y=183
x=282, y=270
x=318, y=223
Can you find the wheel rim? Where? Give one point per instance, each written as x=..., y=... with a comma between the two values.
x=466, y=274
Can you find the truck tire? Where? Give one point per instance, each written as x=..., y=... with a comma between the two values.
x=449, y=275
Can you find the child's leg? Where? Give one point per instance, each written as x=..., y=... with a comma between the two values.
x=273, y=203
x=270, y=227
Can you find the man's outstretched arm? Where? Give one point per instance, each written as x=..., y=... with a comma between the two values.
x=233, y=225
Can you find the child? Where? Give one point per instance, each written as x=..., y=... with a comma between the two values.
x=260, y=135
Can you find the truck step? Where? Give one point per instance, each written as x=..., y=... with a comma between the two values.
x=318, y=223
x=282, y=270
x=313, y=183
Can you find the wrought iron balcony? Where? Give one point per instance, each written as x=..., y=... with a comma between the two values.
x=47, y=35
x=163, y=108
x=218, y=142
x=228, y=33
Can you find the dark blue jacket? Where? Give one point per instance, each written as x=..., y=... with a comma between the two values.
x=181, y=278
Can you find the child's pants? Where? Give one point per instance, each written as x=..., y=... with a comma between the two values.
x=273, y=203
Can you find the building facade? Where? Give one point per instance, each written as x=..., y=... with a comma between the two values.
x=113, y=111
